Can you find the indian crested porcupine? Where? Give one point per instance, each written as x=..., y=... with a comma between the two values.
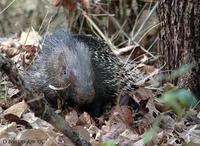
x=77, y=68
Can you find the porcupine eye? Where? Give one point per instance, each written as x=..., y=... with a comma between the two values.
x=62, y=65
x=63, y=71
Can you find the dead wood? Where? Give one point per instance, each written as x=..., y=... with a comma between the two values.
x=40, y=106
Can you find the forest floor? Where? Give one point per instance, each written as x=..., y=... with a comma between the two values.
x=166, y=115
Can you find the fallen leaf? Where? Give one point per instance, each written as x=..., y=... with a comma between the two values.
x=123, y=114
x=139, y=143
x=36, y=122
x=95, y=132
x=152, y=109
x=161, y=107
x=17, y=109
x=85, y=120
x=148, y=68
x=31, y=38
x=85, y=4
x=112, y=130
x=71, y=118
x=143, y=94
x=191, y=135
x=167, y=124
x=7, y=128
x=10, y=47
x=12, y=92
x=71, y=5
x=16, y=119
x=67, y=4
x=129, y=134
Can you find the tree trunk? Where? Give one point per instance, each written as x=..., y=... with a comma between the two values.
x=180, y=39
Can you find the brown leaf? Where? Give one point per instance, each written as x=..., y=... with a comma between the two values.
x=161, y=106
x=17, y=109
x=169, y=86
x=85, y=4
x=124, y=114
x=145, y=93
x=67, y=4
x=152, y=109
x=112, y=130
x=95, y=132
x=128, y=134
x=142, y=94
x=29, y=54
x=36, y=122
x=16, y=119
x=85, y=119
x=134, y=50
x=149, y=114
x=10, y=52
x=168, y=124
x=72, y=118
x=7, y=128
x=148, y=68
x=71, y=5
x=10, y=47
x=60, y=103
x=12, y=92
x=30, y=38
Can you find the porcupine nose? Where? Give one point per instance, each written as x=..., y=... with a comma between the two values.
x=85, y=95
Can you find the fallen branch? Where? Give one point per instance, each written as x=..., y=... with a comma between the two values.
x=39, y=107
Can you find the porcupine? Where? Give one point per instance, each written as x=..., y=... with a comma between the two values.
x=82, y=68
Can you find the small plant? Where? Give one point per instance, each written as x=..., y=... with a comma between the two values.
x=108, y=143
x=179, y=100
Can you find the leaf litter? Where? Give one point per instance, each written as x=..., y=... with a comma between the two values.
x=154, y=123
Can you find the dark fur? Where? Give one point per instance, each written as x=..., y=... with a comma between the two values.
x=83, y=66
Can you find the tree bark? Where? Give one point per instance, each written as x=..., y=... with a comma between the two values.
x=180, y=39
